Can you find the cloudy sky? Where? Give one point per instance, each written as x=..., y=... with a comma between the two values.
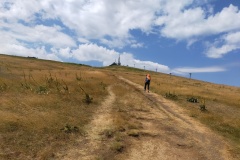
x=201, y=37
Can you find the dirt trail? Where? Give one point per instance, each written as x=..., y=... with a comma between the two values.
x=168, y=133
x=88, y=147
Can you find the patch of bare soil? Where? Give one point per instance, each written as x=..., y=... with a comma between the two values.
x=90, y=146
x=168, y=133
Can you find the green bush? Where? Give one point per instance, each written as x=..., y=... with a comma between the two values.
x=171, y=96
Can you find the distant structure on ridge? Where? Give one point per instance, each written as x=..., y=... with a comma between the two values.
x=119, y=63
x=116, y=64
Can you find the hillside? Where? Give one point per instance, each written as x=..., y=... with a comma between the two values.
x=53, y=110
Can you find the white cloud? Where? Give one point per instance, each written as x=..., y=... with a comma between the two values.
x=96, y=19
x=184, y=24
x=226, y=44
x=20, y=50
x=187, y=24
x=64, y=52
x=218, y=52
x=224, y=21
x=88, y=52
x=148, y=65
x=137, y=45
x=83, y=40
x=64, y=24
x=233, y=38
x=36, y=34
x=115, y=42
x=14, y=10
x=183, y=70
x=120, y=43
x=92, y=20
x=174, y=7
x=192, y=23
x=93, y=52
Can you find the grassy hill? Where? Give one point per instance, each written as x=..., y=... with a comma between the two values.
x=45, y=105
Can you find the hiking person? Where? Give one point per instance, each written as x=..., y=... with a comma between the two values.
x=147, y=82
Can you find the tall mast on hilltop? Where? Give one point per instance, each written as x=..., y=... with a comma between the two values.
x=119, y=63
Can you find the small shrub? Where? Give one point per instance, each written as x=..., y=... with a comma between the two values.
x=88, y=99
x=26, y=86
x=65, y=87
x=203, y=107
x=42, y=90
x=78, y=78
x=3, y=87
x=133, y=133
x=133, y=126
x=108, y=133
x=103, y=85
x=50, y=79
x=52, y=82
x=118, y=137
x=171, y=96
x=117, y=146
x=70, y=129
x=193, y=100
x=121, y=129
x=12, y=126
x=193, y=115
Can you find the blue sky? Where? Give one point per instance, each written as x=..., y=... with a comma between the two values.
x=201, y=37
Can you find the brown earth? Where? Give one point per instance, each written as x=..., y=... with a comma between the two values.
x=87, y=148
x=167, y=133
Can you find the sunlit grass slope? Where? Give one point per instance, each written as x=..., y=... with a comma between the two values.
x=222, y=102
x=42, y=101
x=44, y=105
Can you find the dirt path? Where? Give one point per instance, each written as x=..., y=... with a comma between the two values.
x=169, y=134
x=88, y=147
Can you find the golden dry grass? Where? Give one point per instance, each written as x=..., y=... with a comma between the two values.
x=222, y=102
x=40, y=98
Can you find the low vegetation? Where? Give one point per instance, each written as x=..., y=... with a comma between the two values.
x=172, y=96
x=218, y=105
x=45, y=105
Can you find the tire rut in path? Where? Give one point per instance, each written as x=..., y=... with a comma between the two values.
x=91, y=143
x=174, y=135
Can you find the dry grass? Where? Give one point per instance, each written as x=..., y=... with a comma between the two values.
x=40, y=98
x=222, y=102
